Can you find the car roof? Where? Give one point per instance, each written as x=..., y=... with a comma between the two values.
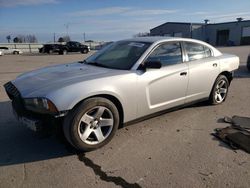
x=151, y=39
x=158, y=39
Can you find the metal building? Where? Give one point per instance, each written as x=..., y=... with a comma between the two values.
x=219, y=34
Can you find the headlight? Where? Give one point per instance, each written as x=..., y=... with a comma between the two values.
x=40, y=105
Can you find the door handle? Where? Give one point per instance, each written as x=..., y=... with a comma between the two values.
x=215, y=65
x=183, y=73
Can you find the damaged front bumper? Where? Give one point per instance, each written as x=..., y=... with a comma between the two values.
x=33, y=120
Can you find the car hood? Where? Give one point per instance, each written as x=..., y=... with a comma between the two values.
x=42, y=81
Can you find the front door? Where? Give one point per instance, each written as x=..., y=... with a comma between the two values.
x=163, y=88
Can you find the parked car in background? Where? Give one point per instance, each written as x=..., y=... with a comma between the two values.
x=73, y=46
x=248, y=62
x=6, y=50
x=122, y=82
x=49, y=48
x=64, y=48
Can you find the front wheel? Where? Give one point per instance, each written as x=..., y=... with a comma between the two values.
x=219, y=91
x=85, y=51
x=92, y=124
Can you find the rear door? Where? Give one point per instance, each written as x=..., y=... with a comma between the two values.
x=78, y=47
x=72, y=47
x=163, y=88
x=203, y=70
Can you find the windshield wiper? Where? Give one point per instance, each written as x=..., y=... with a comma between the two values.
x=96, y=64
x=80, y=62
x=83, y=62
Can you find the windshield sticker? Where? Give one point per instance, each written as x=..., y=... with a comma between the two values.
x=136, y=44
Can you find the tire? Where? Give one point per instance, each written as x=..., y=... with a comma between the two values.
x=85, y=51
x=248, y=62
x=15, y=52
x=64, y=52
x=220, y=90
x=82, y=126
x=50, y=51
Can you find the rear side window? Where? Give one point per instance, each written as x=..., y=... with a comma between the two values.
x=197, y=51
x=77, y=44
x=194, y=51
x=207, y=51
x=168, y=54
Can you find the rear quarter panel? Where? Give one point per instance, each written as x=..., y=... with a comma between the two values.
x=228, y=62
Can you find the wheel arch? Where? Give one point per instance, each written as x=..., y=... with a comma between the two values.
x=114, y=100
x=228, y=74
x=229, y=77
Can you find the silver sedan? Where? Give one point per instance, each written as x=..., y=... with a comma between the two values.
x=125, y=81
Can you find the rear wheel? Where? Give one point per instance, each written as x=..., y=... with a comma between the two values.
x=85, y=51
x=64, y=52
x=220, y=90
x=92, y=124
x=15, y=52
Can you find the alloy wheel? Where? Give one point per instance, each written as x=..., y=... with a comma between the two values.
x=95, y=125
x=221, y=91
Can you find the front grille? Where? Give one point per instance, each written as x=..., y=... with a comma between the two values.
x=11, y=90
x=15, y=96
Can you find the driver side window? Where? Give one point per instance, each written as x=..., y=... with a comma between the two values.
x=168, y=54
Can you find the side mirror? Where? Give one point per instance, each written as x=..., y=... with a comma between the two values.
x=152, y=64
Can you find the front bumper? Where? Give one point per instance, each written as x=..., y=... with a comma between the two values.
x=32, y=120
x=31, y=123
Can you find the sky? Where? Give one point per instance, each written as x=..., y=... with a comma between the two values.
x=108, y=20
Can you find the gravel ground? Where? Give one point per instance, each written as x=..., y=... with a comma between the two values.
x=171, y=150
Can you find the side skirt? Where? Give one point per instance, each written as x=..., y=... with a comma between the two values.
x=163, y=112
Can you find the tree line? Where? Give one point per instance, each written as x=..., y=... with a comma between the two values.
x=32, y=39
x=22, y=39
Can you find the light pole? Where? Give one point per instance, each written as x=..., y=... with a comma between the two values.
x=54, y=37
x=84, y=39
x=67, y=28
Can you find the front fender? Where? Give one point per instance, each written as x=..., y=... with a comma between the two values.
x=66, y=98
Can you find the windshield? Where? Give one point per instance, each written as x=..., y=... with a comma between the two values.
x=119, y=55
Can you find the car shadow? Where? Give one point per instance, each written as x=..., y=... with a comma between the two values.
x=18, y=144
